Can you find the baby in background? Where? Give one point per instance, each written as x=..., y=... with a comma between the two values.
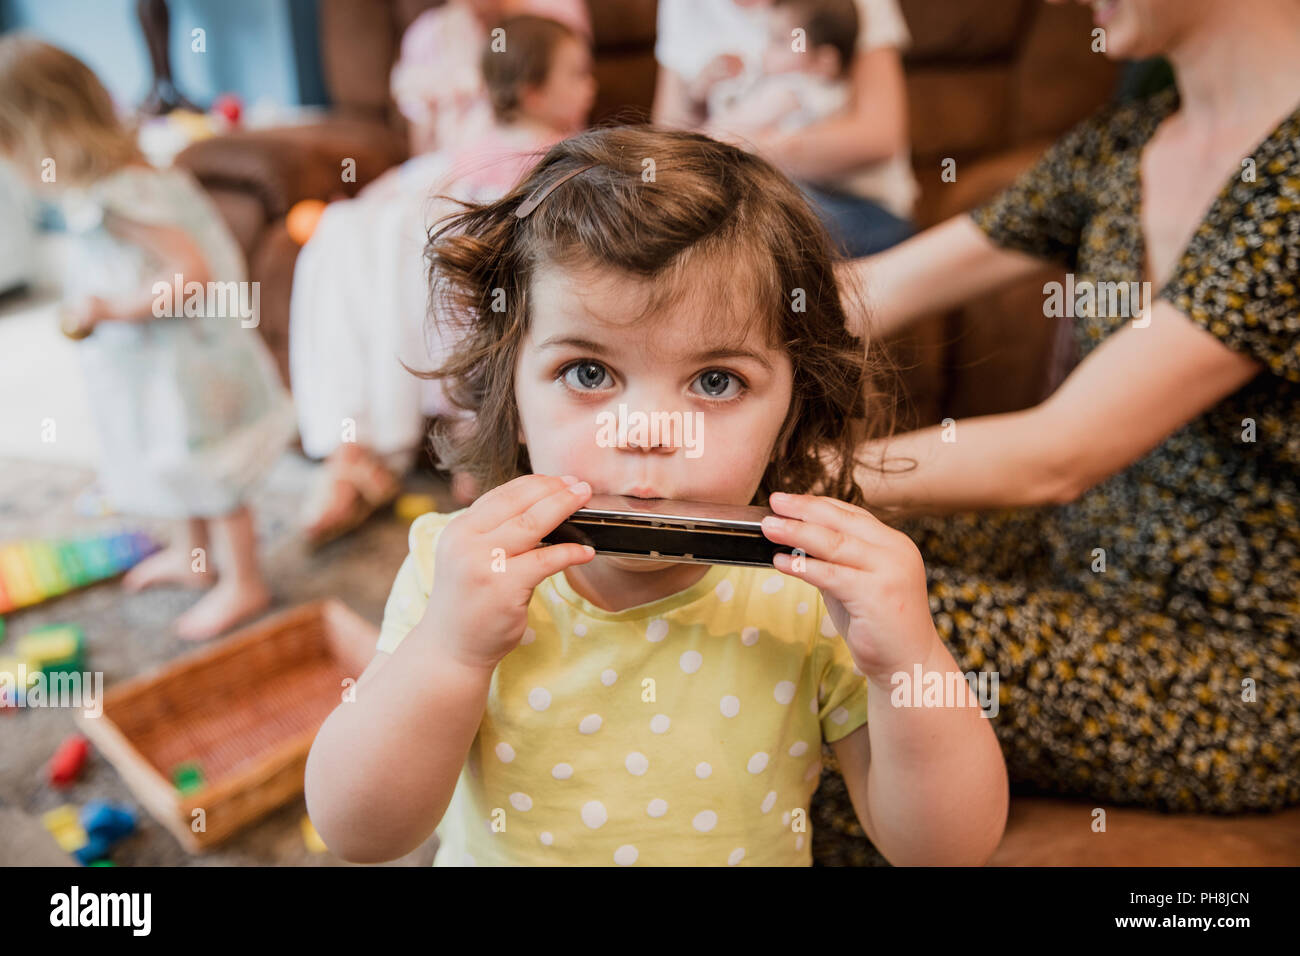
x=804, y=76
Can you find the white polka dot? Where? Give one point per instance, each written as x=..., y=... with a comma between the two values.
x=812, y=705
x=589, y=724
x=580, y=629
x=659, y=724
x=546, y=838
x=705, y=821
x=749, y=636
x=736, y=856
x=785, y=819
x=529, y=636
x=768, y=802
x=725, y=590
x=636, y=763
x=593, y=814
x=539, y=698
x=690, y=661
x=773, y=583
x=656, y=630
x=828, y=627
x=801, y=607
x=521, y=801
x=608, y=676
x=784, y=692
x=730, y=706
x=798, y=842
x=799, y=748
x=625, y=855
x=505, y=753
x=702, y=770
x=757, y=763
x=839, y=716
x=657, y=807
x=813, y=770
x=561, y=771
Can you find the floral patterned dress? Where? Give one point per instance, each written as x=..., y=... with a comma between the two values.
x=1168, y=676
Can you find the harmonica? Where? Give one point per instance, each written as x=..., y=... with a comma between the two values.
x=694, y=532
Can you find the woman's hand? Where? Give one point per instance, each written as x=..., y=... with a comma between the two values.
x=871, y=576
x=488, y=563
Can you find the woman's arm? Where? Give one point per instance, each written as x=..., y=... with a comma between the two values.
x=873, y=128
x=939, y=269
x=1127, y=396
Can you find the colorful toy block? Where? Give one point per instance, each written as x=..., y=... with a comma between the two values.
x=310, y=837
x=96, y=848
x=34, y=571
x=63, y=825
x=106, y=822
x=65, y=766
x=188, y=777
x=52, y=649
x=408, y=507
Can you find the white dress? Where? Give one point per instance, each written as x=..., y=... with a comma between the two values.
x=189, y=409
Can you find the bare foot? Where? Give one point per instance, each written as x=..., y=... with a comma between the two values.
x=226, y=605
x=168, y=566
x=337, y=510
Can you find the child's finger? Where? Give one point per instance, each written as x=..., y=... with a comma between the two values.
x=825, y=575
x=539, y=564
x=525, y=530
x=498, y=505
x=821, y=510
x=829, y=544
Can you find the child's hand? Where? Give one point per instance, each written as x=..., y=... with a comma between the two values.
x=871, y=576
x=488, y=562
x=79, y=319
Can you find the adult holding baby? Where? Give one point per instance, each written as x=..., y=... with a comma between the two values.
x=725, y=66
x=1126, y=555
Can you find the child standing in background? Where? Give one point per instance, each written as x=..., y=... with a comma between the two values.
x=188, y=407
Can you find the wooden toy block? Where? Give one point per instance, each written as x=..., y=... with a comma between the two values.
x=65, y=766
x=96, y=848
x=310, y=837
x=188, y=777
x=58, y=645
x=107, y=822
x=70, y=839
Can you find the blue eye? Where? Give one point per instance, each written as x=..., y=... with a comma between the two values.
x=715, y=384
x=585, y=376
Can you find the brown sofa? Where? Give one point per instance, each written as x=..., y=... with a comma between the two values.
x=990, y=84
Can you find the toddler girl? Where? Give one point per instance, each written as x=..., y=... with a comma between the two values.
x=543, y=705
x=186, y=401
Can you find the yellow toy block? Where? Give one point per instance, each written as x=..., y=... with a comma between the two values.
x=60, y=818
x=48, y=646
x=409, y=507
x=310, y=837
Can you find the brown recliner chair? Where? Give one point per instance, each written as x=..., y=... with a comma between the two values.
x=990, y=84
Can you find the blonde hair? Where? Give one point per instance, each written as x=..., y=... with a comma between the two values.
x=52, y=106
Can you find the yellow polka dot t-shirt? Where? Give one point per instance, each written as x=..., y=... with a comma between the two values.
x=682, y=732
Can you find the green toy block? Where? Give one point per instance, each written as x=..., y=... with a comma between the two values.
x=103, y=863
x=188, y=777
x=53, y=649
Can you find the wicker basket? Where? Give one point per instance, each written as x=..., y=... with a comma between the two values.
x=246, y=710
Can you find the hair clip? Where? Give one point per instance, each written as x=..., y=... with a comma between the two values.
x=535, y=200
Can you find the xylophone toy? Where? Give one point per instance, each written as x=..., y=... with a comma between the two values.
x=35, y=571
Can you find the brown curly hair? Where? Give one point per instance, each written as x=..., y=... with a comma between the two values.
x=653, y=204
